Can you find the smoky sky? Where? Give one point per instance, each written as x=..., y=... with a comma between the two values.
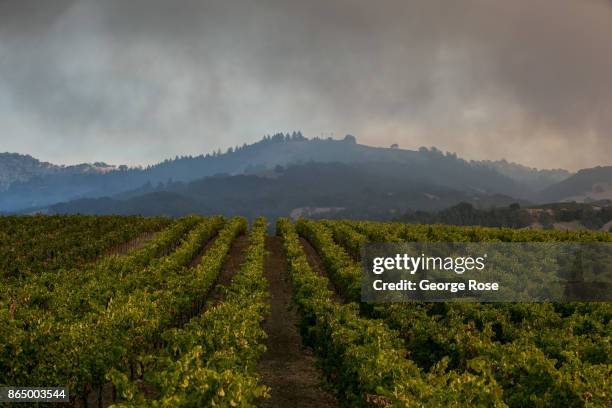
x=141, y=80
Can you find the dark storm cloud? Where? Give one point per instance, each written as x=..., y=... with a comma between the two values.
x=136, y=81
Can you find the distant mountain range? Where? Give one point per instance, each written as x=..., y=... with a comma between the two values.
x=586, y=185
x=368, y=190
x=17, y=168
x=533, y=178
x=289, y=174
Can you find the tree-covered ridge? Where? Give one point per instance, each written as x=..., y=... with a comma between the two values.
x=595, y=216
x=429, y=166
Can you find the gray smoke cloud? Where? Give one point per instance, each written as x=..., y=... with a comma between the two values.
x=138, y=81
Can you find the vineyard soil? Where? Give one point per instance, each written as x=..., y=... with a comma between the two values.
x=231, y=266
x=317, y=266
x=132, y=245
x=287, y=367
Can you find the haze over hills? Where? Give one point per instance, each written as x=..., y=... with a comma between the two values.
x=18, y=168
x=584, y=186
x=283, y=172
x=368, y=190
x=533, y=178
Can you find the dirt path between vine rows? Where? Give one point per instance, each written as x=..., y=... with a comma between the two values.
x=287, y=367
x=234, y=260
x=133, y=244
x=231, y=266
x=315, y=262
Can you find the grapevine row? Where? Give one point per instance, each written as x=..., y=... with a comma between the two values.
x=363, y=358
x=80, y=353
x=70, y=293
x=30, y=245
x=461, y=335
x=211, y=360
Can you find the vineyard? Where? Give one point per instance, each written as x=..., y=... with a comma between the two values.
x=212, y=311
